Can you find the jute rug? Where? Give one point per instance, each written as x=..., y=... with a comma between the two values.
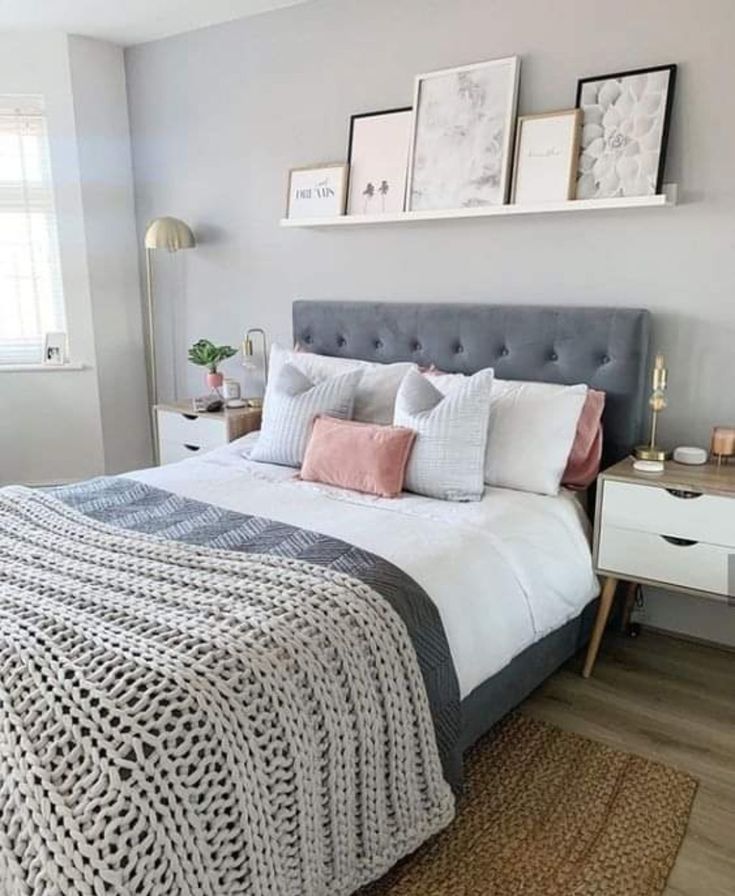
x=547, y=813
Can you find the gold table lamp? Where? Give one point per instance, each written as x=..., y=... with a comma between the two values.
x=657, y=403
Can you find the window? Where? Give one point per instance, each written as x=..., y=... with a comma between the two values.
x=31, y=293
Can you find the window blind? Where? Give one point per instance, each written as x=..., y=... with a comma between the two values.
x=31, y=292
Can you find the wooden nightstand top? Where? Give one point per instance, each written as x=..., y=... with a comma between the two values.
x=708, y=478
x=186, y=407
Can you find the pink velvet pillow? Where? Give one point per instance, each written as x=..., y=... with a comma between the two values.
x=583, y=464
x=365, y=457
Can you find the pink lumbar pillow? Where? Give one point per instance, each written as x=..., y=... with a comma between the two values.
x=583, y=464
x=364, y=457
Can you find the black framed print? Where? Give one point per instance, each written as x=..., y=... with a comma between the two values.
x=378, y=160
x=625, y=130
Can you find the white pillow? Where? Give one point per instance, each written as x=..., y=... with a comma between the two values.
x=448, y=456
x=531, y=432
x=376, y=392
x=292, y=402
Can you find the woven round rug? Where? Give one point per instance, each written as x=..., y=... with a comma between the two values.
x=548, y=813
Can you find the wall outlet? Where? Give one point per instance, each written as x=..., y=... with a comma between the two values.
x=639, y=613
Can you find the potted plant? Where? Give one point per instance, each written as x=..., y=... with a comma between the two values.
x=207, y=354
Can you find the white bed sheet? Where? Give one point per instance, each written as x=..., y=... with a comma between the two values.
x=503, y=572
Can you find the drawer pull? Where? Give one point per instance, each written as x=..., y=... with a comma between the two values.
x=682, y=493
x=679, y=542
x=189, y=416
x=192, y=447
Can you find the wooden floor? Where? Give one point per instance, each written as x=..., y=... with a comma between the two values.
x=673, y=701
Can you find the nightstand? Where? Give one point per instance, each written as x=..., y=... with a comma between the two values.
x=675, y=530
x=182, y=431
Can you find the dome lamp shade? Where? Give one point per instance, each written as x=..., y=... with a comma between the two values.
x=169, y=233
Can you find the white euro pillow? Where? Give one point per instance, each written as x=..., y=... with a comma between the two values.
x=448, y=456
x=531, y=431
x=376, y=391
x=292, y=401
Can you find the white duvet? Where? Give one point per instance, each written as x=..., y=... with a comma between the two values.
x=503, y=572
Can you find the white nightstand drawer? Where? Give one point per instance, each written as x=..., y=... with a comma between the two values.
x=632, y=555
x=170, y=452
x=188, y=429
x=650, y=508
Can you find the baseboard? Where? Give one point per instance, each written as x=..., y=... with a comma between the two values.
x=691, y=639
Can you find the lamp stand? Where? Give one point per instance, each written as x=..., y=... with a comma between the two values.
x=152, y=376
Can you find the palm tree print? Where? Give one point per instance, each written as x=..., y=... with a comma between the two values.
x=368, y=193
x=383, y=190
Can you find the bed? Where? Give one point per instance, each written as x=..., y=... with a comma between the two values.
x=494, y=596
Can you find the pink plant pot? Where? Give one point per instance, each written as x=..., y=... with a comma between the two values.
x=215, y=380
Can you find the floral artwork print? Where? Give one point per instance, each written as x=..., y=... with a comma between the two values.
x=622, y=134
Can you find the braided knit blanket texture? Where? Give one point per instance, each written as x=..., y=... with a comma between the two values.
x=177, y=719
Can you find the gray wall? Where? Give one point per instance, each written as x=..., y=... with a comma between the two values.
x=218, y=117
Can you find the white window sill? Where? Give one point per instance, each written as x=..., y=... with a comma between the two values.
x=42, y=368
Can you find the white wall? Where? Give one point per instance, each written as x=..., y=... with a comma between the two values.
x=103, y=144
x=53, y=428
x=219, y=115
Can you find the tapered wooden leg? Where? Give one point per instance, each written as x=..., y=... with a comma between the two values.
x=603, y=614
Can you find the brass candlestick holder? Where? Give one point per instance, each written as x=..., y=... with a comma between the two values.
x=657, y=402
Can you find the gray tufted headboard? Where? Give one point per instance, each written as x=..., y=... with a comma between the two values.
x=606, y=348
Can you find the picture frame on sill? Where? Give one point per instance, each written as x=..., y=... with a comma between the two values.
x=377, y=155
x=625, y=131
x=54, y=349
x=317, y=191
x=546, y=157
x=462, y=136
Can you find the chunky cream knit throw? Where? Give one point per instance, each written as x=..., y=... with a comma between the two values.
x=183, y=720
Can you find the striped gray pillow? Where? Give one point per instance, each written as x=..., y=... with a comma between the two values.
x=448, y=458
x=291, y=403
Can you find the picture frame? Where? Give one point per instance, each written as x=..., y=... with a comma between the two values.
x=377, y=155
x=317, y=191
x=625, y=132
x=455, y=111
x=55, y=349
x=546, y=156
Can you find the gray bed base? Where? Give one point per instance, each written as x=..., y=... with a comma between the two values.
x=497, y=696
x=606, y=348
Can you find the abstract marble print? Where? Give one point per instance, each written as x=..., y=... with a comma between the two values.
x=464, y=120
x=623, y=133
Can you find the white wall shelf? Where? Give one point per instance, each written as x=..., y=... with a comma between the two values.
x=660, y=200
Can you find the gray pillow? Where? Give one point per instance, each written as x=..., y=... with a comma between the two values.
x=448, y=457
x=291, y=403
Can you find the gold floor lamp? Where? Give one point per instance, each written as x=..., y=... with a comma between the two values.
x=172, y=235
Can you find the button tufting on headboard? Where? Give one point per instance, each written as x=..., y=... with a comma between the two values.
x=552, y=343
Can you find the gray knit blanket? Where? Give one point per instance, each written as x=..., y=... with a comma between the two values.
x=181, y=719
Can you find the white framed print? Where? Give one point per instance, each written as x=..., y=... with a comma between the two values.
x=54, y=348
x=462, y=136
x=318, y=191
x=546, y=156
x=378, y=160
